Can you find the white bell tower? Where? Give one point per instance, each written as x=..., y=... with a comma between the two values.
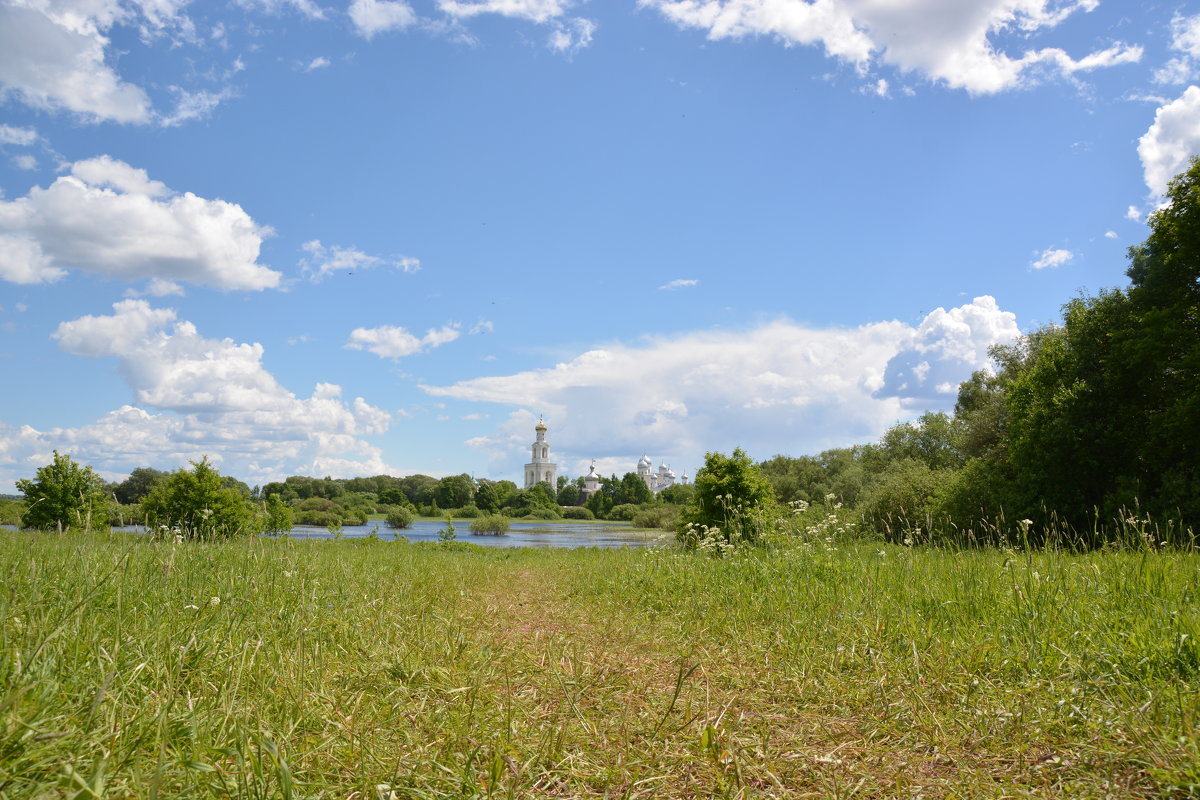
x=541, y=468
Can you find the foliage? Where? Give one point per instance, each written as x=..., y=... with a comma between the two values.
x=577, y=512
x=455, y=491
x=491, y=523
x=139, y=483
x=63, y=495
x=448, y=533
x=196, y=505
x=679, y=494
x=277, y=517
x=901, y=501
x=624, y=512
x=665, y=517
x=11, y=511
x=494, y=495
x=400, y=517
x=729, y=490
x=568, y=495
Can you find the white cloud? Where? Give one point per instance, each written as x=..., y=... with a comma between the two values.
x=201, y=397
x=111, y=219
x=371, y=17
x=483, y=326
x=571, y=35
x=54, y=58
x=22, y=137
x=947, y=41
x=1052, y=257
x=534, y=10
x=26, y=162
x=1172, y=139
x=1110, y=234
x=322, y=261
x=678, y=283
x=193, y=105
x=305, y=8
x=320, y=62
x=1132, y=213
x=390, y=341
x=780, y=387
x=1185, y=35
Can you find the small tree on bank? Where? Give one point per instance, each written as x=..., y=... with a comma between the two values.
x=63, y=495
x=729, y=490
x=195, y=504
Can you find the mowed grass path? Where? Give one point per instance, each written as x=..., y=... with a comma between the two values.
x=352, y=669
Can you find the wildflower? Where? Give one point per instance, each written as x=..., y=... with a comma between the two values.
x=191, y=607
x=214, y=601
x=908, y=542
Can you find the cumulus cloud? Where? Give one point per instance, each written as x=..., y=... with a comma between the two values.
x=779, y=387
x=390, y=341
x=322, y=261
x=1110, y=234
x=947, y=41
x=1172, y=139
x=1132, y=213
x=111, y=219
x=1052, y=257
x=372, y=17
x=320, y=62
x=197, y=396
x=678, y=283
x=53, y=57
x=571, y=35
x=305, y=8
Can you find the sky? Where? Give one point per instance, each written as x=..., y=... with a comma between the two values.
x=320, y=237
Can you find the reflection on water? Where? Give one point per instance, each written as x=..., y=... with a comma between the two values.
x=520, y=534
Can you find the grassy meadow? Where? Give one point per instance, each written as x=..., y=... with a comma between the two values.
x=376, y=669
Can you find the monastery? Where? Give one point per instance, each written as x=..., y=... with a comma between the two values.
x=541, y=468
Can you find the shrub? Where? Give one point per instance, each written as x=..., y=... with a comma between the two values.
x=625, y=511
x=490, y=523
x=577, y=512
x=664, y=517
x=730, y=494
x=63, y=495
x=277, y=517
x=400, y=517
x=469, y=511
x=195, y=504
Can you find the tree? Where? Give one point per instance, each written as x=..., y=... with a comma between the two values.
x=633, y=490
x=196, y=504
x=455, y=491
x=277, y=517
x=138, y=485
x=491, y=496
x=63, y=495
x=729, y=489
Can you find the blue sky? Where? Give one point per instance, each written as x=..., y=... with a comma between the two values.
x=338, y=238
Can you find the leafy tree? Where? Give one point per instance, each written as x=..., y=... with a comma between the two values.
x=199, y=505
x=455, y=491
x=393, y=496
x=277, y=517
x=489, y=497
x=729, y=489
x=679, y=494
x=568, y=494
x=138, y=485
x=419, y=488
x=63, y=495
x=633, y=490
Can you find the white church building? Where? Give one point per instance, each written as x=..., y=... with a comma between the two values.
x=541, y=468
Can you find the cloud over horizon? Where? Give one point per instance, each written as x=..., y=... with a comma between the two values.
x=779, y=387
x=199, y=397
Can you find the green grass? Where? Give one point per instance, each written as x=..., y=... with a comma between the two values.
x=265, y=669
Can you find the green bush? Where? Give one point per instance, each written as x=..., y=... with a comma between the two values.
x=469, y=511
x=63, y=495
x=731, y=497
x=195, y=504
x=490, y=523
x=624, y=512
x=400, y=517
x=664, y=517
x=577, y=512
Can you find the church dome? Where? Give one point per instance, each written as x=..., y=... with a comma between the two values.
x=644, y=462
x=541, y=426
